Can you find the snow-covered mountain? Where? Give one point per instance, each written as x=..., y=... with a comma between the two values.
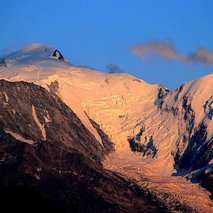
x=155, y=132
x=106, y=98
x=45, y=150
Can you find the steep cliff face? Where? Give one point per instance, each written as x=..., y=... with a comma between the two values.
x=48, y=155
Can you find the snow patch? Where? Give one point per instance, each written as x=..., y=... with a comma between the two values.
x=6, y=97
x=19, y=137
x=47, y=118
x=39, y=124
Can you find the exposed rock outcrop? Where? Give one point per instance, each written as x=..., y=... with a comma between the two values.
x=58, y=55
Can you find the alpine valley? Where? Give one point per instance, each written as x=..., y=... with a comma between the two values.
x=73, y=139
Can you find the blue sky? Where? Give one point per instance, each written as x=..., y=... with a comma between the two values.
x=96, y=33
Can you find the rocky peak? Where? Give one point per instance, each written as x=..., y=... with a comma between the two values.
x=58, y=55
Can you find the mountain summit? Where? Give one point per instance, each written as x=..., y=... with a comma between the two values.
x=32, y=53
